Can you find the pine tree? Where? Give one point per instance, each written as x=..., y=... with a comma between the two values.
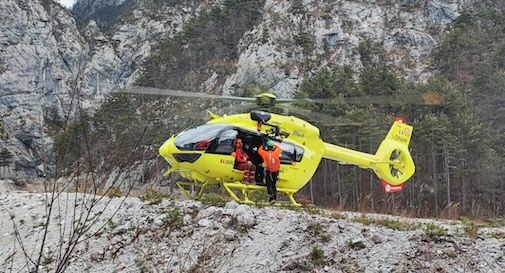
x=5, y=159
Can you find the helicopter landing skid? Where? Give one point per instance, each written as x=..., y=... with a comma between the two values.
x=245, y=189
x=185, y=186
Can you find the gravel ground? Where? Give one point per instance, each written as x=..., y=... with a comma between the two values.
x=187, y=236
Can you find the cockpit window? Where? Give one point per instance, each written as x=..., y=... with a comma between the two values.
x=198, y=138
x=290, y=152
x=225, y=143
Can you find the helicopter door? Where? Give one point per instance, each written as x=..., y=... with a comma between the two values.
x=218, y=159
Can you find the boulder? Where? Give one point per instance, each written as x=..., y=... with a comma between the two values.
x=205, y=213
x=187, y=220
x=231, y=205
x=244, y=215
x=159, y=221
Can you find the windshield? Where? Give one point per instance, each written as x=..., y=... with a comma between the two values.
x=198, y=138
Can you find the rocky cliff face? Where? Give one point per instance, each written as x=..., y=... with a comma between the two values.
x=42, y=55
x=295, y=38
x=49, y=65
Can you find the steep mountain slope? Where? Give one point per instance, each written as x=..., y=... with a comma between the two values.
x=49, y=68
x=103, y=12
x=293, y=40
x=42, y=56
x=50, y=64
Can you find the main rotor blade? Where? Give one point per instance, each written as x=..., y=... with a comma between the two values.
x=428, y=98
x=237, y=108
x=318, y=118
x=288, y=109
x=134, y=89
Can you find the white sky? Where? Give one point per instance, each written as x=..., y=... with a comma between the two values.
x=67, y=3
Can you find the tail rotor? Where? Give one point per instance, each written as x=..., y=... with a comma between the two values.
x=395, y=165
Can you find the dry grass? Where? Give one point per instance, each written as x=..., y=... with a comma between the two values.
x=153, y=197
x=213, y=199
x=386, y=222
x=496, y=222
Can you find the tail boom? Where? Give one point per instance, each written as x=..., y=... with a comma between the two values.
x=392, y=162
x=348, y=156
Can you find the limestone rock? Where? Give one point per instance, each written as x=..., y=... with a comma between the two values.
x=159, y=221
x=231, y=205
x=187, y=219
x=45, y=58
x=205, y=213
x=244, y=215
x=376, y=239
x=230, y=235
x=205, y=222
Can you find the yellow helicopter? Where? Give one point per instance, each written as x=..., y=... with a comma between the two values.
x=204, y=155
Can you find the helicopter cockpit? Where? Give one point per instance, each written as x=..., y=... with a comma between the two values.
x=220, y=139
x=200, y=138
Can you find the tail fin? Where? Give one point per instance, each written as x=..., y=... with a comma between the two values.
x=396, y=165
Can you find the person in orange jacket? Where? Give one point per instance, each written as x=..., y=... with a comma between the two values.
x=271, y=153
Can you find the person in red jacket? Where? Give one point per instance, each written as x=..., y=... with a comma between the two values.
x=271, y=154
x=242, y=162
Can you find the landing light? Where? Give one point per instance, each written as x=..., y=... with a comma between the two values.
x=390, y=188
x=400, y=119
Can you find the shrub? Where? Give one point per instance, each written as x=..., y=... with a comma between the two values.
x=47, y=259
x=337, y=215
x=304, y=40
x=356, y=244
x=434, y=230
x=311, y=209
x=496, y=222
x=174, y=219
x=113, y=192
x=470, y=227
x=395, y=224
x=259, y=196
x=386, y=222
x=111, y=224
x=325, y=237
x=153, y=197
x=317, y=229
x=498, y=235
x=317, y=255
x=141, y=265
x=364, y=220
